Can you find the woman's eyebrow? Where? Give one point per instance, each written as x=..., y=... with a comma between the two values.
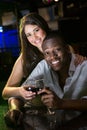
x=35, y=28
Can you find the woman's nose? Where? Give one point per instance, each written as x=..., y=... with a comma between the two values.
x=34, y=36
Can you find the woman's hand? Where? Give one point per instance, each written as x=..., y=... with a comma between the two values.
x=25, y=93
x=79, y=59
x=49, y=98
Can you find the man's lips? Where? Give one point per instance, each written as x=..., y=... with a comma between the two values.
x=54, y=62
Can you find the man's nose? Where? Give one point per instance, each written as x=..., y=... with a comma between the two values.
x=52, y=55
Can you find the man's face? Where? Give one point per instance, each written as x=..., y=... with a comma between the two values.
x=54, y=54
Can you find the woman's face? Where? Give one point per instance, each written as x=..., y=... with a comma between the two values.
x=35, y=35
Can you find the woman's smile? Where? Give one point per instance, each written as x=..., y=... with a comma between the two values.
x=35, y=35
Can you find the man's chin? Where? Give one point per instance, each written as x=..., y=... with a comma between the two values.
x=55, y=68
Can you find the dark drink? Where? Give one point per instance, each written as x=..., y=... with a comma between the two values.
x=33, y=89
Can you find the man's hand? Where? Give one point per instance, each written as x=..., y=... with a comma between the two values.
x=49, y=98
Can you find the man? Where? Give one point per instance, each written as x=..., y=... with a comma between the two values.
x=67, y=83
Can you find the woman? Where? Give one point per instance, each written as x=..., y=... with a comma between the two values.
x=33, y=30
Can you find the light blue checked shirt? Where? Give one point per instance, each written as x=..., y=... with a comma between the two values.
x=75, y=86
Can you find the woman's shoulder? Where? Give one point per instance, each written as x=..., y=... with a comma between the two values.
x=16, y=75
x=18, y=64
x=19, y=60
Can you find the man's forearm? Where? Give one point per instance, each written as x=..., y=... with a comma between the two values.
x=75, y=104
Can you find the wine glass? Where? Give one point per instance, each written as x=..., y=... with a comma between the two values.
x=51, y=114
x=39, y=83
x=34, y=85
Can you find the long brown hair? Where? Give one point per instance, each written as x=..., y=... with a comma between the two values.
x=31, y=55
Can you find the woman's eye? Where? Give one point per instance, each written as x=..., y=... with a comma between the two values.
x=37, y=30
x=28, y=35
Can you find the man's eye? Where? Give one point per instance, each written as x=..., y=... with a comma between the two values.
x=46, y=53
